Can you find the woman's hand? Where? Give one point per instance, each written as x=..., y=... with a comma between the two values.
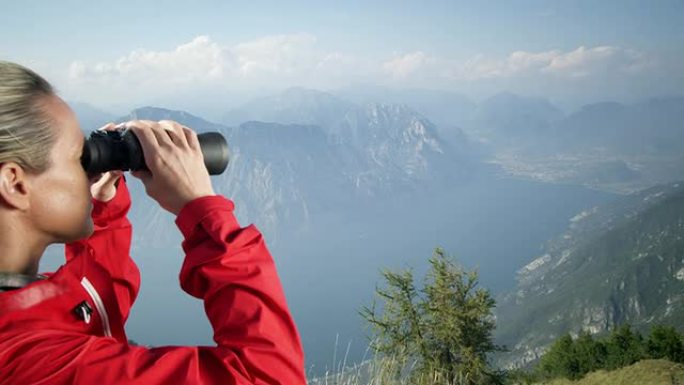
x=173, y=156
x=103, y=186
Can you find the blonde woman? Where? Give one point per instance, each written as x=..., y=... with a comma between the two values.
x=67, y=327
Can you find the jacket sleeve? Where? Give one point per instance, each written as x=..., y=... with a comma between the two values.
x=110, y=245
x=232, y=271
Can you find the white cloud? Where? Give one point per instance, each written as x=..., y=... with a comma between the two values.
x=402, y=66
x=199, y=60
x=271, y=61
x=521, y=61
x=203, y=66
x=581, y=62
x=296, y=58
x=587, y=61
x=282, y=54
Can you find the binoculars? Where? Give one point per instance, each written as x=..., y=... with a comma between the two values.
x=120, y=150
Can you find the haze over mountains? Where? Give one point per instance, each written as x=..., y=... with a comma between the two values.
x=279, y=172
x=606, y=145
x=345, y=184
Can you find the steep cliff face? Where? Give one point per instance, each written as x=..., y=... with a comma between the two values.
x=619, y=263
x=390, y=145
x=281, y=174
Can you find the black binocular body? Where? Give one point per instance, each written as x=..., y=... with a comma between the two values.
x=121, y=150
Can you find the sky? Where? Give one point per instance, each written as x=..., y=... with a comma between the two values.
x=119, y=54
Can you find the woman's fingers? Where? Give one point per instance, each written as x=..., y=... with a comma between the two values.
x=191, y=139
x=108, y=127
x=177, y=174
x=175, y=132
x=162, y=136
x=148, y=140
x=103, y=186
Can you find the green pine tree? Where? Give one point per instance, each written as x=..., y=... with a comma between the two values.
x=560, y=360
x=440, y=333
x=574, y=358
x=590, y=353
x=624, y=347
x=665, y=342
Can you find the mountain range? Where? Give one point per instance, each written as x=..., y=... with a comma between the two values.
x=609, y=146
x=616, y=263
x=280, y=172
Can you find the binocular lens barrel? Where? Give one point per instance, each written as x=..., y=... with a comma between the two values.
x=120, y=150
x=215, y=151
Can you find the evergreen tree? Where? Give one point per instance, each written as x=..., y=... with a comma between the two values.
x=591, y=354
x=665, y=342
x=442, y=331
x=560, y=360
x=624, y=347
x=573, y=358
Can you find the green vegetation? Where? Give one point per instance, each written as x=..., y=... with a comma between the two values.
x=438, y=334
x=573, y=359
x=646, y=372
x=616, y=264
x=441, y=334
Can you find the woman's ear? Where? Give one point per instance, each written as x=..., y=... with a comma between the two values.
x=13, y=186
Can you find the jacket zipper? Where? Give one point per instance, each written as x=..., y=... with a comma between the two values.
x=99, y=305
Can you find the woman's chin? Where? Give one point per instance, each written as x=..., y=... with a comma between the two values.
x=85, y=232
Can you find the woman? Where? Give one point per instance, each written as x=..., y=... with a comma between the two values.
x=68, y=327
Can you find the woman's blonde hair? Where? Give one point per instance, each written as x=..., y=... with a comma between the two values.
x=26, y=136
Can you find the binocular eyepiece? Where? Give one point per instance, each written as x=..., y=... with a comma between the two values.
x=120, y=150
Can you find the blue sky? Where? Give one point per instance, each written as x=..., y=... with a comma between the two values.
x=564, y=50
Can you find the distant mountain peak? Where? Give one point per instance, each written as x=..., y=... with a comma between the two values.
x=395, y=108
x=295, y=105
x=305, y=92
x=511, y=101
x=603, y=107
x=159, y=113
x=156, y=111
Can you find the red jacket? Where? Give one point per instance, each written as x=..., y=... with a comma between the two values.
x=69, y=328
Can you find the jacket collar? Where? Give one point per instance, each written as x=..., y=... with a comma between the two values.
x=11, y=281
